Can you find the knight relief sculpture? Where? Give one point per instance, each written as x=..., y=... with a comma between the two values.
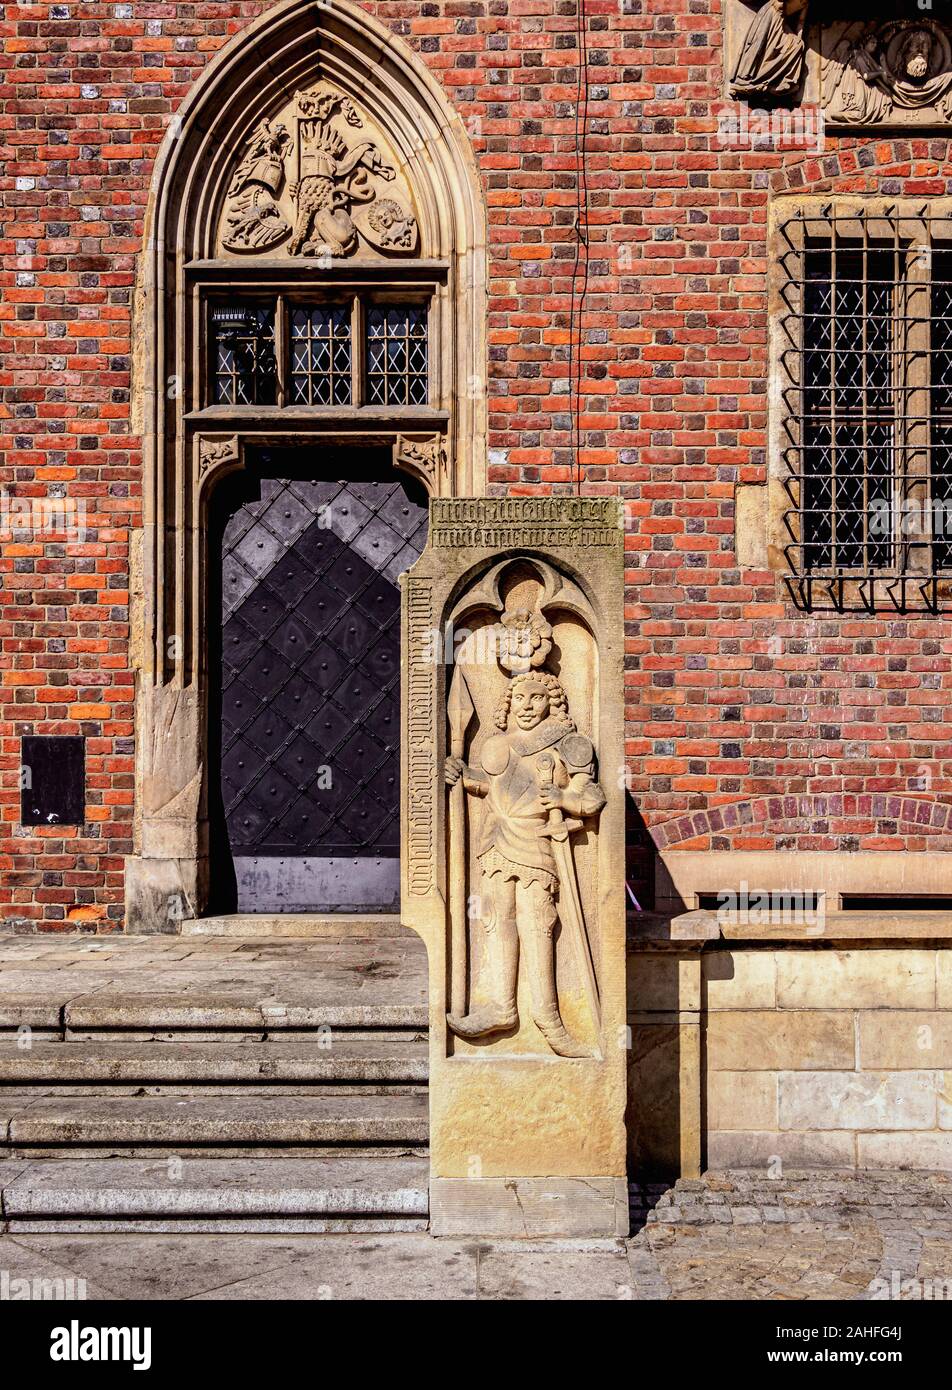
x=307, y=186
x=534, y=787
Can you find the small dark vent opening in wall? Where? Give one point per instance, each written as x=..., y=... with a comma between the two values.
x=752, y=900
x=870, y=902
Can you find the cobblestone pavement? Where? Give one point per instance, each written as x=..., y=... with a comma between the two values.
x=855, y=1236
x=731, y=1236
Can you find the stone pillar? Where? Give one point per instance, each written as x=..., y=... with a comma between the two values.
x=513, y=863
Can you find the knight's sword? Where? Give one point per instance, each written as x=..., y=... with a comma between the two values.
x=570, y=904
x=460, y=710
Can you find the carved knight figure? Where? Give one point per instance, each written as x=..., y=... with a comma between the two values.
x=254, y=221
x=771, y=59
x=538, y=783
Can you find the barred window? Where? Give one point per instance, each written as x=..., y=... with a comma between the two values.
x=866, y=442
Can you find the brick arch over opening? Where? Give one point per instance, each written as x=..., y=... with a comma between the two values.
x=858, y=815
x=916, y=167
x=288, y=49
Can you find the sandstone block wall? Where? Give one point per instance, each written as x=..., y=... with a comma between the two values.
x=809, y=1057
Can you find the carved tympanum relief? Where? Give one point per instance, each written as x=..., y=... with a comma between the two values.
x=524, y=805
x=315, y=181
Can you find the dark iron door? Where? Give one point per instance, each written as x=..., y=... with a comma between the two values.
x=310, y=700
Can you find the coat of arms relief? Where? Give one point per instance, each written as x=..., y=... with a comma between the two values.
x=316, y=181
x=880, y=70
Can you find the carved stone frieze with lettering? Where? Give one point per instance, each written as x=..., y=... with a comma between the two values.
x=318, y=179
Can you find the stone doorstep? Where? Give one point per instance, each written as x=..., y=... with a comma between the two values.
x=218, y=1225
x=290, y=1196
x=296, y=926
x=306, y=1059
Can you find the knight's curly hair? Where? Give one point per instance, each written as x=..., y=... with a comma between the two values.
x=558, y=700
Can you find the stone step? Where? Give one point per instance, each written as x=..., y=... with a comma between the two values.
x=329, y=1193
x=308, y=1059
x=248, y=1122
x=291, y=926
x=206, y=1012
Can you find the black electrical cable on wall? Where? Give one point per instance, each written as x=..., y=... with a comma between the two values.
x=579, y=292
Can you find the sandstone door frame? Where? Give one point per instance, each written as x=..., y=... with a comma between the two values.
x=189, y=446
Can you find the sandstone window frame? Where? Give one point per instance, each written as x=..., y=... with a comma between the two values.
x=913, y=228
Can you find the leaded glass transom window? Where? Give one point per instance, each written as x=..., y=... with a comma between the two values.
x=321, y=355
x=244, y=366
x=397, y=365
x=292, y=350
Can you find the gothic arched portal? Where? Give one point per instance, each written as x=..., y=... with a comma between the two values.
x=313, y=278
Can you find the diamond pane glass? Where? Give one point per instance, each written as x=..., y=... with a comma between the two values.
x=397, y=357
x=321, y=355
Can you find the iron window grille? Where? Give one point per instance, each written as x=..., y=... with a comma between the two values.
x=292, y=350
x=865, y=358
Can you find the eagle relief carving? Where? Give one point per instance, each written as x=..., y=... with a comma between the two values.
x=314, y=182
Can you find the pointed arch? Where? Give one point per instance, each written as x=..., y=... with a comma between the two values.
x=188, y=447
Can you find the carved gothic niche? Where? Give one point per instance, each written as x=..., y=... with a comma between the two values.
x=513, y=821
x=877, y=71
x=318, y=179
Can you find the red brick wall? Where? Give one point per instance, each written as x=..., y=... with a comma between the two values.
x=851, y=718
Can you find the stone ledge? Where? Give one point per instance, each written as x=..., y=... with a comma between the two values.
x=654, y=930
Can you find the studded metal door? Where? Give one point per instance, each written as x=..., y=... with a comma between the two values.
x=310, y=701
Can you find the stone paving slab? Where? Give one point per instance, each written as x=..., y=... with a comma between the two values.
x=858, y=1257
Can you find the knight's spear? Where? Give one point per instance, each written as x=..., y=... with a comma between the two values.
x=460, y=710
x=570, y=904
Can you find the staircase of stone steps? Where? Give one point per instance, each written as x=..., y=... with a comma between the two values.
x=216, y=1107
